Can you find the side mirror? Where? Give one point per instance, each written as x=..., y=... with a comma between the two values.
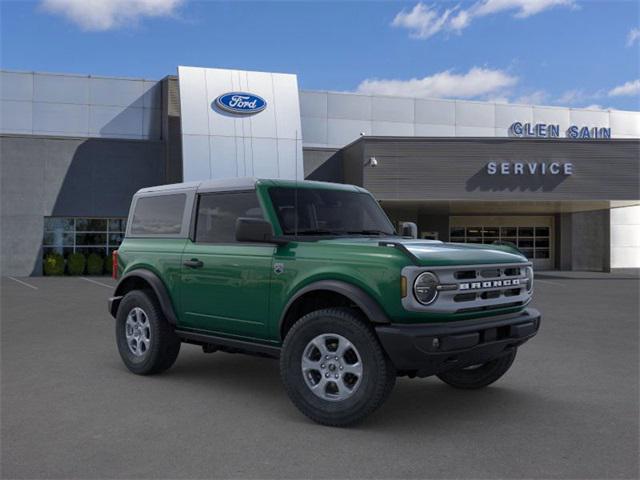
x=409, y=229
x=255, y=230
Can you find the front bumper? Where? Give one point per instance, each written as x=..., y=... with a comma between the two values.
x=112, y=305
x=428, y=349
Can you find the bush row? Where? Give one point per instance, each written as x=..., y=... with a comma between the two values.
x=77, y=264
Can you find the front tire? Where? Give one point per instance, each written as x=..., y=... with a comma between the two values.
x=146, y=341
x=479, y=376
x=333, y=367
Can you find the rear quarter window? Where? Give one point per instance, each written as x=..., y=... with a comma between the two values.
x=158, y=215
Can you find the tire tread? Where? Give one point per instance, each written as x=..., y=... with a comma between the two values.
x=485, y=375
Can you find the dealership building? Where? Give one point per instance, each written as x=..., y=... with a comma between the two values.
x=561, y=183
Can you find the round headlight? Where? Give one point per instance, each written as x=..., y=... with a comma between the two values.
x=529, y=274
x=425, y=288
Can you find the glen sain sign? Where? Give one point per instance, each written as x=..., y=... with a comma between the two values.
x=547, y=130
x=240, y=103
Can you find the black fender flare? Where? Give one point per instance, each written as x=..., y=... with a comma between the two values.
x=157, y=286
x=363, y=300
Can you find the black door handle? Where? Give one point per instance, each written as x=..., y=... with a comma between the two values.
x=193, y=263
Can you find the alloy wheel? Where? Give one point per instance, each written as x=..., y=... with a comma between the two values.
x=332, y=367
x=138, y=331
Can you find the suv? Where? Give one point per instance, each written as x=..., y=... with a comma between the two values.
x=314, y=274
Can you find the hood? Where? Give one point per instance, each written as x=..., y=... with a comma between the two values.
x=436, y=253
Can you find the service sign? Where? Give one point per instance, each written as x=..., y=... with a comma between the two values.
x=530, y=168
x=240, y=103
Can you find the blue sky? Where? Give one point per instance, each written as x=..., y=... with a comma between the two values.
x=558, y=52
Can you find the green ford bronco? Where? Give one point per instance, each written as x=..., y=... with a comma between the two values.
x=314, y=274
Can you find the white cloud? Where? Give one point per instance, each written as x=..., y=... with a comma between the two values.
x=538, y=97
x=629, y=88
x=571, y=97
x=497, y=86
x=524, y=8
x=100, y=15
x=633, y=36
x=498, y=99
x=423, y=21
x=475, y=83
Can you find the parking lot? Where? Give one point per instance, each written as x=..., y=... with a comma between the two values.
x=567, y=409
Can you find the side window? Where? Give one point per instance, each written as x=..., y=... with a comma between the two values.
x=218, y=212
x=159, y=215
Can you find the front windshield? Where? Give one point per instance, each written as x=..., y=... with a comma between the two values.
x=328, y=212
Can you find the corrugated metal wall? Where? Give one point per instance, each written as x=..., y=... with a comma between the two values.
x=450, y=169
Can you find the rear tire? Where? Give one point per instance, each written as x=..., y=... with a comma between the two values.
x=333, y=367
x=471, y=378
x=146, y=341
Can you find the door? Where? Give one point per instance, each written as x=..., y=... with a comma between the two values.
x=534, y=235
x=225, y=284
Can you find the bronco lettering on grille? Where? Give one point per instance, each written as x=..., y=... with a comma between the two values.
x=489, y=284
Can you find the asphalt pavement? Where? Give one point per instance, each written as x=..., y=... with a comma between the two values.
x=568, y=408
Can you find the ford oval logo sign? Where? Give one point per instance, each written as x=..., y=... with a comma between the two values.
x=240, y=103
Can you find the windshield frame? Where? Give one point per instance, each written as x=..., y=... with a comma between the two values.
x=386, y=229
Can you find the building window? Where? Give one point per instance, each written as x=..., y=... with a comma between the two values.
x=532, y=241
x=65, y=235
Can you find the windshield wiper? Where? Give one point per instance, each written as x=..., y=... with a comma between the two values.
x=318, y=231
x=370, y=232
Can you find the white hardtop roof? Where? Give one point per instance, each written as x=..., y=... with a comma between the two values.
x=238, y=183
x=218, y=184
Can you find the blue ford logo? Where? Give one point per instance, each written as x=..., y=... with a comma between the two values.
x=240, y=103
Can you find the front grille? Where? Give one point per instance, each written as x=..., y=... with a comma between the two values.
x=473, y=288
x=490, y=307
x=465, y=297
x=491, y=294
x=491, y=273
x=465, y=275
x=488, y=288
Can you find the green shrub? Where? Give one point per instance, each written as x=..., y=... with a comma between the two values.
x=108, y=264
x=53, y=264
x=94, y=264
x=76, y=263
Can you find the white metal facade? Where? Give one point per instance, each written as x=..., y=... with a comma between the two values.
x=110, y=107
x=625, y=237
x=332, y=119
x=79, y=106
x=217, y=144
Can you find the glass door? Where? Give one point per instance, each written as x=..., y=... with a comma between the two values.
x=533, y=235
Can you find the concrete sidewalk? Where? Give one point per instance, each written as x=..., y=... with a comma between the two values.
x=616, y=274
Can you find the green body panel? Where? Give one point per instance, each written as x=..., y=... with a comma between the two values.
x=230, y=293
x=161, y=256
x=374, y=270
x=238, y=293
